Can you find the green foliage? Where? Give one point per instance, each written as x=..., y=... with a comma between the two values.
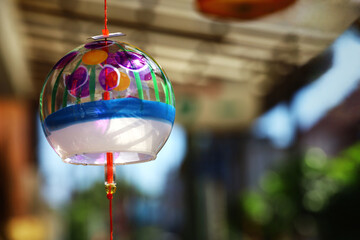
x=257, y=207
x=303, y=186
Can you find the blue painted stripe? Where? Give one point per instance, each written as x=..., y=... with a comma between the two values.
x=117, y=108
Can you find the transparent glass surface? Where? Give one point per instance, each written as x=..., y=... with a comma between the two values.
x=107, y=96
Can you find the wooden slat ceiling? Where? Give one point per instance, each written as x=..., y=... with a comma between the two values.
x=194, y=50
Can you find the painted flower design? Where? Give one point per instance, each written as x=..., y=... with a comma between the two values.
x=77, y=83
x=101, y=64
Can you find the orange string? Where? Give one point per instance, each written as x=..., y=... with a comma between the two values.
x=110, y=196
x=109, y=155
x=105, y=31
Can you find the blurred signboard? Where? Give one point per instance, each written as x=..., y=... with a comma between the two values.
x=217, y=105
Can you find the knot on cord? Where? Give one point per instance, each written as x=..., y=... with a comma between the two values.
x=109, y=196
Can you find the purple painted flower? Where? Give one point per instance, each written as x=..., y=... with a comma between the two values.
x=109, y=77
x=83, y=91
x=77, y=83
x=130, y=60
x=111, y=60
x=65, y=60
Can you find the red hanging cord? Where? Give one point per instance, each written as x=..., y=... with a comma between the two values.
x=110, y=196
x=109, y=165
x=110, y=185
x=105, y=31
x=109, y=155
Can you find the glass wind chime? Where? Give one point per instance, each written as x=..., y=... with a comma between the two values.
x=107, y=103
x=241, y=9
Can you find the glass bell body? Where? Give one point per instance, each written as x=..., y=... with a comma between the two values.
x=107, y=96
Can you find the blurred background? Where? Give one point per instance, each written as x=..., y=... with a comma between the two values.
x=266, y=141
